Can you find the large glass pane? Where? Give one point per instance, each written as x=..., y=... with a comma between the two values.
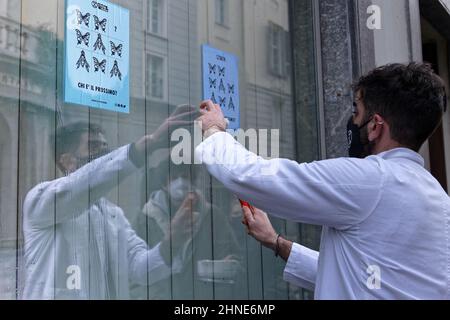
x=94, y=204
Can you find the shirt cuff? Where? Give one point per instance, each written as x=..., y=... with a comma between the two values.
x=137, y=158
x=301, y=267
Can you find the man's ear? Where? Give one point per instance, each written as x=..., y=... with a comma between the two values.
x=376, y=127
x=67, y=162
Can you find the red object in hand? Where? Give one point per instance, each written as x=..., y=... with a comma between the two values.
x=248, y=205
x=245, y=204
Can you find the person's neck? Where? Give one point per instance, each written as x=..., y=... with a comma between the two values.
x=384, y=146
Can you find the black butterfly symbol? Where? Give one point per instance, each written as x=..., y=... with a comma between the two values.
x=115, y=70
x=82, y=18
x=221, y=86
x=82, y=38
x=221, y=72
x=82, y=62
x=223, y=101
x=99, y=65
x=231, y=88
x=115, y=49
x=212, y=83
x=231, y=105
x=99, y=23
x=98, y=45
x=212, y=68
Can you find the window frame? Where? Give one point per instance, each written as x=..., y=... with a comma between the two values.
x=148, y=83
x=221, y=17
x=147, y=19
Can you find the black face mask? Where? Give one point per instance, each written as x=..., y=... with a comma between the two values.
x=356, y=148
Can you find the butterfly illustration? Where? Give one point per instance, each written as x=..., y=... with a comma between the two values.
x=212, y=68
x=98, y=45
x=231, y=88
x=221, y=86
x=100, y=23
x=115, y=70
x=221, y=72
x=116, y=49
x=212, y=83
x=222, y=101
x=99, y=65
x=82, y=38
x=82, y=62
x=83, y=18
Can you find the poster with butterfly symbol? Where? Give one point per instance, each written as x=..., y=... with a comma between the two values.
x=97, y=55
x=221, y=82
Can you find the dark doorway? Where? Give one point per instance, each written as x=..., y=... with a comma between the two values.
x=436, y=142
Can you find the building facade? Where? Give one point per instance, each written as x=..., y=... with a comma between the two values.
x=297, y=61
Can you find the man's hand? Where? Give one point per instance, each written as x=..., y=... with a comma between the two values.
x=259, y=227
x=183, y=227
x=183, y=115
x=212, y=118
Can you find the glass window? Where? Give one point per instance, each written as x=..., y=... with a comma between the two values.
x=278, y=50
x=156, y=16
x=221, y=10
x=155, y=76
x=94, y=204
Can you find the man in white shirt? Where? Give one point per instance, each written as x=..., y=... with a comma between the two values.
x=386, y=220
x=78, y=244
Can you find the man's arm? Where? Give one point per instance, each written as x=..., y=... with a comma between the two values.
x=301, y=267
x=71, y=195
x=338, y=193
x=53, y=202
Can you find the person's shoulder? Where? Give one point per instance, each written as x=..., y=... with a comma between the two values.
x=40, y=188
x=346, y=170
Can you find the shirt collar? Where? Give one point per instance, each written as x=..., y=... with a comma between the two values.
x=403, y=153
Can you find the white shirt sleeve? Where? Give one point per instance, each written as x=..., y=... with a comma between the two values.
x=301, y=267
x=337, y=193
x=147, y=266
x=53, y=202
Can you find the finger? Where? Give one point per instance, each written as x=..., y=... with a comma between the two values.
x=203, y=111
x=208, y=105
x=217, y=108
x=258, y=212
x=248, y=215
x=187, y=202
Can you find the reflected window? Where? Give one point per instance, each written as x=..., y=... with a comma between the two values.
x=11, y=7
x=278, y=52
x=221, y=12
x=155, y=17
x=155, y=77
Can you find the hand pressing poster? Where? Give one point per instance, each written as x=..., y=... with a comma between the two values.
x=97, y=55
x=221, y=82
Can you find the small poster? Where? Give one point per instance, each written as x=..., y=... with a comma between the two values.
x=221, y=82
x=97, y=55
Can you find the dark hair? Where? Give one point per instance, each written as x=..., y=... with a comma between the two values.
x=411, y=98
x=67, y=138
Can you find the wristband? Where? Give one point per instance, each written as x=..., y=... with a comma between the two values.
x=277, y=247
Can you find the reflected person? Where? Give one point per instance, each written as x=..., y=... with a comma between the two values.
x=78, y=244
x=172, y=187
